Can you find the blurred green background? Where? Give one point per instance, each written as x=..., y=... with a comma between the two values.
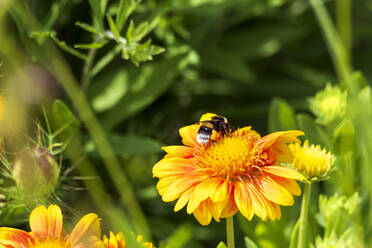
x=256, y=62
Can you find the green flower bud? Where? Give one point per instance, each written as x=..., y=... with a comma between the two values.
x=328, y=105
x=36, y=172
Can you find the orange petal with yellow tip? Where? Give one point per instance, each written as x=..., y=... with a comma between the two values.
x=202, y=214
x=275, y=192
x=182, y=201
x=280, y=137
x=15, y=238
x=172, y=166
x=282, y=152
x=87, y=233
x=188, y=135
x=289, y=184
x=178, y=151
x=46, y=223
x=175, y=190
x=285, y=172
x=243, y=200
x=258, y=201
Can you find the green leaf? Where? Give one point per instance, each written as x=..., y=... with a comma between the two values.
x=113, y=28
x=90, y=46
x=129, y=145
x=130, y=31
x=222, y=62
x=313, y=132
x=221, y=245
x=95, y=5
x=294, y=236
x=281, y=116
x=179, y=237
x=109, y=89
x=249, y=243
x=126, y=7
x=150, y=83
x=64, y=121
x=141, y=31
x=87, y=27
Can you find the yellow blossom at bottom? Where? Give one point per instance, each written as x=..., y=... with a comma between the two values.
x=240, y=171
x=118, y=241
x=47, y=232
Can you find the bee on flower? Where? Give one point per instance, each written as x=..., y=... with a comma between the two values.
x=229, y=171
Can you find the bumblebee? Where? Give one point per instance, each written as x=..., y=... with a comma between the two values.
x=217, y=123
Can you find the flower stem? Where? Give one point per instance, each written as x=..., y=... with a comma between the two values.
x=303, y=217
x=336, y=47
x=230, y=232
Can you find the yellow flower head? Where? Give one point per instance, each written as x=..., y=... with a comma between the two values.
x=118, y=241
x=47, y=232
x=313, y=161
x=236, y=172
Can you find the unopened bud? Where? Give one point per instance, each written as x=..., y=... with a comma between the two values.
x=36, y=171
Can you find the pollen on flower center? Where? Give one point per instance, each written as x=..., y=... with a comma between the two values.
x=232, y=157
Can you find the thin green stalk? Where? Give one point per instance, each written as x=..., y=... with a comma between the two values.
x=86, y=77
x=230, y=232
x=303, y=230
x=343, y=21
x=337, y=50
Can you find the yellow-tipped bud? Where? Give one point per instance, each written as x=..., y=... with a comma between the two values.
x=312, y=161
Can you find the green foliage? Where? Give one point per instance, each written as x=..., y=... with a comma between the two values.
x=256, y=62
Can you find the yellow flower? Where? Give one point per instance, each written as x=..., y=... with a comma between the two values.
x=237, y=172
x=47, y=232
x=118, y=241
x=313, y=161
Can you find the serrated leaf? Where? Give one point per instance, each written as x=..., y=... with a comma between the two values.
x=221, y=245
x=313, y=132
x=90, y=46
x=113, y=28
x=87, y=27
x=249, y=243
x=281, y=116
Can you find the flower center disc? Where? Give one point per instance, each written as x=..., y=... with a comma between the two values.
x=233, y=156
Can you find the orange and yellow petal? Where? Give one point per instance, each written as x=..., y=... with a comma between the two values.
x=285, y=172
x=178, y=151
x=46, y=223
x=15, y=238
x=188, y=135
x=87, y=233
x=173, y=166
x=279, y=137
